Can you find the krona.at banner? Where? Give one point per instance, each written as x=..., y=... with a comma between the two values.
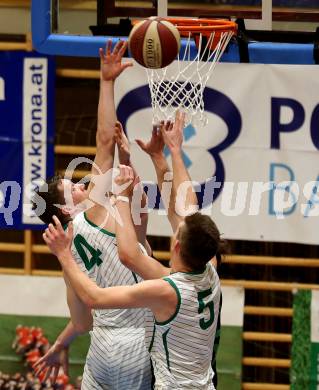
x=26, y=134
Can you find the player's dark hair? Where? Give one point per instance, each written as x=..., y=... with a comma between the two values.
x=52, y=195
x=200, y=241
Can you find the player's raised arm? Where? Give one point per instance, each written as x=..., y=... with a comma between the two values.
x=183, y=191
x=155, y=149
x=111, y=66
x=139, y=200
x=129, y=251
x=81, y=315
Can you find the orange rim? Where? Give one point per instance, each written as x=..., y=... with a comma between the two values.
x=201, y=25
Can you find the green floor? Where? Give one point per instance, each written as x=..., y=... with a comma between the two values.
x=229, y=358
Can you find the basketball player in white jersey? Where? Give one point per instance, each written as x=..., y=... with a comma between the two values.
x=117, y=358
x=184, y=299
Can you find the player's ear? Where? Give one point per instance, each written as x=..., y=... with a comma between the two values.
x=177, y=246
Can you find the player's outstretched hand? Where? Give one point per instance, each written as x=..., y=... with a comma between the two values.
x=122, y=143
x=50, y=364
x=58, y=240
x=155, y=146
x=111, y=60
x=124, y=181
x=173, y=132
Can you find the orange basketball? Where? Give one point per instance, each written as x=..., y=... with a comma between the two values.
x=154, y=42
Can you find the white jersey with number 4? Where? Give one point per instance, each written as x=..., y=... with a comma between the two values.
x=117, y=358
x=95, y=251
x=182, y=347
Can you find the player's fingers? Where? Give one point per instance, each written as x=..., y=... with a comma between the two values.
x=40, y=369
x=155, y=129
x=52, y=229
x=120, y=146
x=161, y=125
x=65, y=366
x=101, y=53
x=117, y=131
x=181, y=118
x=163, y=128
x=167, y=125
x=123, y=48
x=127, y=173
x=108, y=47
x=45, y=239
x=177, y=119
x=37, y=371
x=116, y=134
x=171, y=126
x=141, y=144
x=120, y=127
x=47, y=375
x=117, y=47
x=160, y=128
x=58, y=225
x=38, y=366
x=126, y=65
x=55, y=374
x=48, y=234
x=131, y=173
x=122, y=172
x=70, y=230
x=38, y=362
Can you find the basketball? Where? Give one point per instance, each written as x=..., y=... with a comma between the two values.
x=154, y=42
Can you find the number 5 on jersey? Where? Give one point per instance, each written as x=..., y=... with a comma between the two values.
x=203, y=323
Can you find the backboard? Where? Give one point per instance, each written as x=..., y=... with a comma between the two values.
x=79, y=27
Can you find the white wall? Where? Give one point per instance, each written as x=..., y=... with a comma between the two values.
x=18, y=21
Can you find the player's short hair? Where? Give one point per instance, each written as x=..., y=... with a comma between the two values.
x=52, y=195
x=199, y=240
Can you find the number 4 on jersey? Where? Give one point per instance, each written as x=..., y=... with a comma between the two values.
x=81, y=244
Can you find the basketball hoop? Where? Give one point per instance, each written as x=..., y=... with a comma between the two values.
x=180, y=86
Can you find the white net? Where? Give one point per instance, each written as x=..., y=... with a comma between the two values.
x=180, y=86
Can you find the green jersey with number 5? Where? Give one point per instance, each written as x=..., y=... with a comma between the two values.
x=182, y=347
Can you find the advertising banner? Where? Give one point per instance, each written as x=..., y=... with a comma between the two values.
x=255, y=164
x=26, y=134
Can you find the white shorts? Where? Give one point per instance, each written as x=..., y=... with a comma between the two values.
x=117, y=360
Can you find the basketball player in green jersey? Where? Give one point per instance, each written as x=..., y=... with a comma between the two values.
x=155, y=149
x=184, y=299
x=117, y=335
